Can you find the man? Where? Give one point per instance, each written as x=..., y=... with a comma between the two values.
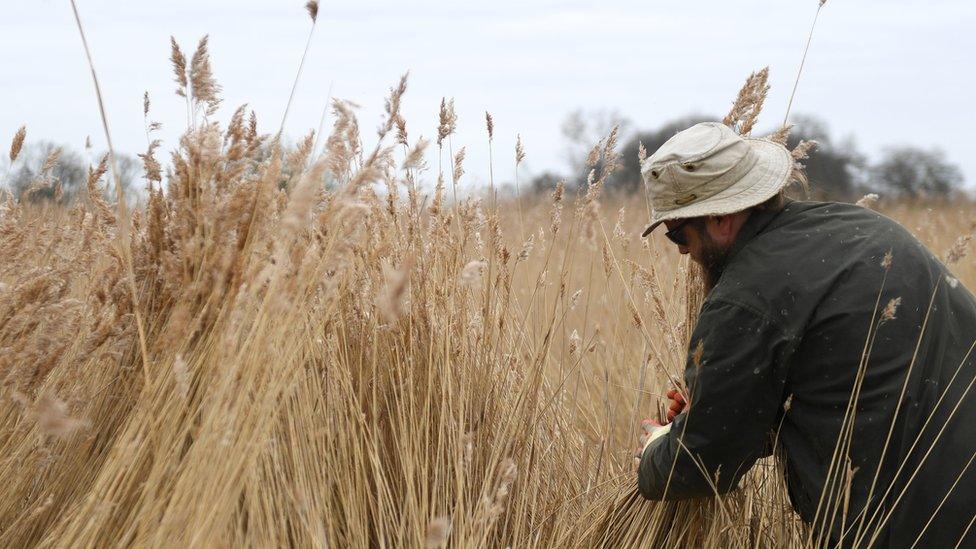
x=827, y=329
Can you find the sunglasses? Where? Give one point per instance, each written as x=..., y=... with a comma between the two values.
x=677, y=234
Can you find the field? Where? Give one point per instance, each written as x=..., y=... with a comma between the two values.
x=368, y=365
x=253, y=358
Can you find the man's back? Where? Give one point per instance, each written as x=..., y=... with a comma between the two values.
x=820, y=302
x=862, y=295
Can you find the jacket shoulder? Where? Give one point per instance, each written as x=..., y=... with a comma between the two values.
x=805, y=253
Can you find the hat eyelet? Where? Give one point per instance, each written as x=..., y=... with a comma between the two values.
x=689, y=167
x=654, y=174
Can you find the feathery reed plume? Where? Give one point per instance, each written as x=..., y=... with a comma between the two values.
x=343, y=144
x=102, y=208
x=390, y=300
x=781, y=135
x=298, y=157
x=401, y=134
x=867, y=201
x=18, y=143
x=181, y=376
x=802, y=150
x=43, y=179
x=438, y=532
x=593, y=158
x=574, y=343
x=459, y=164
x=472, y=272
x=519, y=157
x=556, y=217
x=415, y=156
x=150, y=126
x=490, y=125
x=53, y=419
x=958, y=250
x=391, y=108
x=50, y=161
x=313, y=10
x=800, y=153
x=748, y=104
x=152, y=170
x=203, y=86
x=890, y=309
x=447, y=120
x=178, y=61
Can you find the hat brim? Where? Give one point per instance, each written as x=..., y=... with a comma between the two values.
x=770, y=174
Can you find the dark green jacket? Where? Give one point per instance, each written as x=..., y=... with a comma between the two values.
x=783, y=335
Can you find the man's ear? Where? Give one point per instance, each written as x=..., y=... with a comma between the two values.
x=718, y=224
x=721, y=227
x=725, y=223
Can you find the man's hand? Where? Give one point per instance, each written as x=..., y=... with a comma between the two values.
x=650, y=431
x=678, y=404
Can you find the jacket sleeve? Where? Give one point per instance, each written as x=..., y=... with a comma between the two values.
x=736, y=377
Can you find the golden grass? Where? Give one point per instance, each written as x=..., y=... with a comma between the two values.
x=349, y=368
x=371, y=365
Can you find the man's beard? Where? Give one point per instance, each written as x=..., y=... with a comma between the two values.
x=713, y=259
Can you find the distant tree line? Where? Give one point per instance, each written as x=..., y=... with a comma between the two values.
x=41, y=166
x=45, y=171
x=837, y=170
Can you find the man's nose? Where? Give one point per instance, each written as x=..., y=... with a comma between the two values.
x=683, y=250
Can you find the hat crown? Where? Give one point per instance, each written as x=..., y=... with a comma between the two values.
x=695, y=164
x=708, y=169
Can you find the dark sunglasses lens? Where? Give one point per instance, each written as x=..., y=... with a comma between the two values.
x=677, y=235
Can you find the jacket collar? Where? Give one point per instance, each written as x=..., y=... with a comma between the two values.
x=758, y=221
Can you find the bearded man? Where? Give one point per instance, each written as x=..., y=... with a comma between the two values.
x=830, y=336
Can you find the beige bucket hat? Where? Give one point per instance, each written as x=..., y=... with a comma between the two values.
x=708, y=169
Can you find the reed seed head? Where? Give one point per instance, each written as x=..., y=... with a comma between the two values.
x=313, y=10
x=18, y=143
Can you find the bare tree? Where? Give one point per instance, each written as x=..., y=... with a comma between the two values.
x=584, y=129
x=44, y=165
x=835, y=170
x=916, y=173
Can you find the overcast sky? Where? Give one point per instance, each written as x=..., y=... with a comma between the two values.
x=888, y=73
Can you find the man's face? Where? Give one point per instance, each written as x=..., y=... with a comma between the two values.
x=704, y=249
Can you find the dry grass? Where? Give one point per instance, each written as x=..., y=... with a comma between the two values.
x=348, y=367
x=371, y=365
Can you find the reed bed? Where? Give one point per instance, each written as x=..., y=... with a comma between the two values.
x=334, y=353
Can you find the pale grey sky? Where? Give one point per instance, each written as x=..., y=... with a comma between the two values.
x=888, y=73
